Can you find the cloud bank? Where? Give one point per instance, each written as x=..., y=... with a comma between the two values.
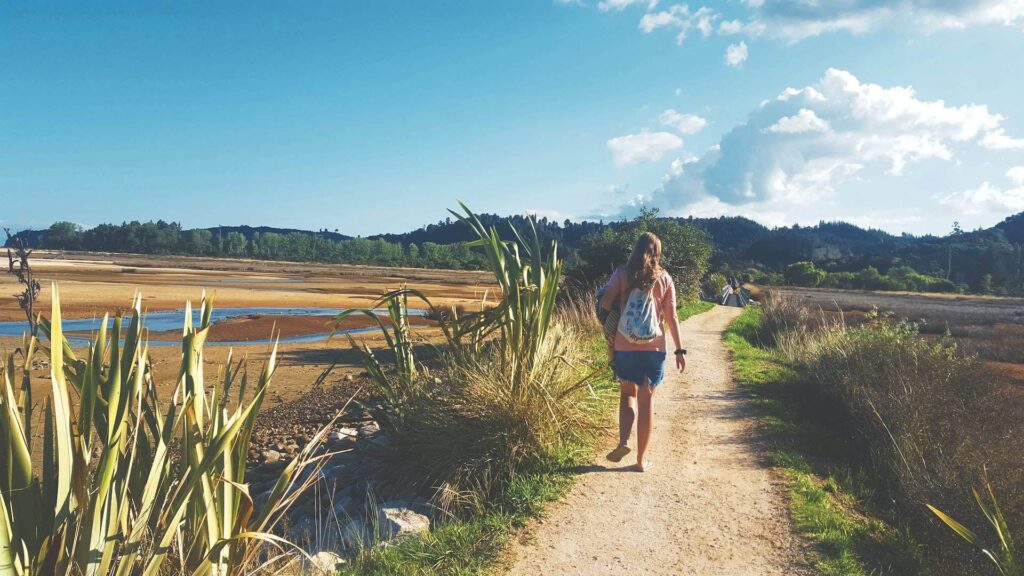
x=792, y=22
x=803, y=145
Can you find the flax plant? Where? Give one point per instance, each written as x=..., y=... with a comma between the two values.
x=109, y=497
x=1006, y=558
x=515, y=384
x=529, y=285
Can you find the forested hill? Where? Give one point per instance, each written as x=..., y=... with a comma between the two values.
x=971, y=259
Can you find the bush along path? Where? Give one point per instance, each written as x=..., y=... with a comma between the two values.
x=710, y=505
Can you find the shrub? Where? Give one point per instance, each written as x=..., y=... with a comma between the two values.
x=804, y=274
x=925, y=418
x=712, y=285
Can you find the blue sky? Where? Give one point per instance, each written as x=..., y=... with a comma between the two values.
x=376, y=116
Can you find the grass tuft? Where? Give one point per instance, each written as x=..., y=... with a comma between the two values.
x=690, y=309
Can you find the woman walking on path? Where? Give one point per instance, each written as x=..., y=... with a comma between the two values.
x=646, y=298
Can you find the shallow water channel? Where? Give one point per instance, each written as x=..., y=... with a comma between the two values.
x=165, y=321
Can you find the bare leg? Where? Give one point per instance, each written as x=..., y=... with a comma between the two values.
x=627, y=410
x=627, y=414
x=644, y=425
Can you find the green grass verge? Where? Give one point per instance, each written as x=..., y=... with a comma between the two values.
x=690, y=309
x=474, y=545
x=829, y=500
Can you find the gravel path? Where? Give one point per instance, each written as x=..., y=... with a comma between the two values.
x=709, y=506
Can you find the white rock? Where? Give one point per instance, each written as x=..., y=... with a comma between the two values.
x=325, y=562
x=369, y=429
x=397, y=519
x=342, y=436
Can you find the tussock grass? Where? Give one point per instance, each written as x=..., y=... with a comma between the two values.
x=690, y=309
x=920, y=418
x=829, y=497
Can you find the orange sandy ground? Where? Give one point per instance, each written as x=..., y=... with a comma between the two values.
x=93, y=284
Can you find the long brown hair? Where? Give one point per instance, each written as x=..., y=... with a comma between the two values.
x=644, y=264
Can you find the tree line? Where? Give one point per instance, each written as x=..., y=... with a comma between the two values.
x=988, y=261
x=168, y=238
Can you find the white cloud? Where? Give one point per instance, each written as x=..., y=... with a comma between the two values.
x=607, y=5
x=642, y=147
x=552, y=215
x=795, y=21
x=736, y=54
x=803, y=121
x=1016, y=175
x=682, y=20
x=678, y=166
x=730, y=27
x=988, y=198
x=998, y=140
x=806, y=144
x=683, y=123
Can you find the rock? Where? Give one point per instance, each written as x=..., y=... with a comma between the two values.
x=260, y=501
x=343, y=507
x=380, y=440
x=342, y=437
x=271, y=456
x=369, y=429
x=398, y=519
x=324, y=562
x=303, y=530
x=349, y=378
x=276, y=464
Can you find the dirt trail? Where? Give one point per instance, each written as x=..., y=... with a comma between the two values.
x=708, y=507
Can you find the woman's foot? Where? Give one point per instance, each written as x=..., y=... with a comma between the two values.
x=618, y=454
x=642, y=467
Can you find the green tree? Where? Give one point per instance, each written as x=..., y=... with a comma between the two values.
x=235, y=243
x=804, y=274
x=686, y=251
x=63, y=235
x=984, y=284
x=200, y=241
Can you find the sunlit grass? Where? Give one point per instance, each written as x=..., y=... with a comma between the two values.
x=690, y=309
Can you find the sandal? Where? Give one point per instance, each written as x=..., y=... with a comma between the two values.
x=618, y=454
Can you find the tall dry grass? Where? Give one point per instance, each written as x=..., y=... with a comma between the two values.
x=926, y=418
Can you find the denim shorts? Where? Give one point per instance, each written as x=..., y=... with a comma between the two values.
x=639, y=366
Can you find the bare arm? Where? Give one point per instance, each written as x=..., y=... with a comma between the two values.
x=610, y=295
x=673, y=316
x=673, y=326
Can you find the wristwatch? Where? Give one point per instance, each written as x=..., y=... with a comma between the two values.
x=681, y=351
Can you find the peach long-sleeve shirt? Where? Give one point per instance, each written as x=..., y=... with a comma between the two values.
x=665, y=302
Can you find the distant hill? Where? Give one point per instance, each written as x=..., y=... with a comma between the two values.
x=250, y=231
x=1012, y=228
x=975, y=259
